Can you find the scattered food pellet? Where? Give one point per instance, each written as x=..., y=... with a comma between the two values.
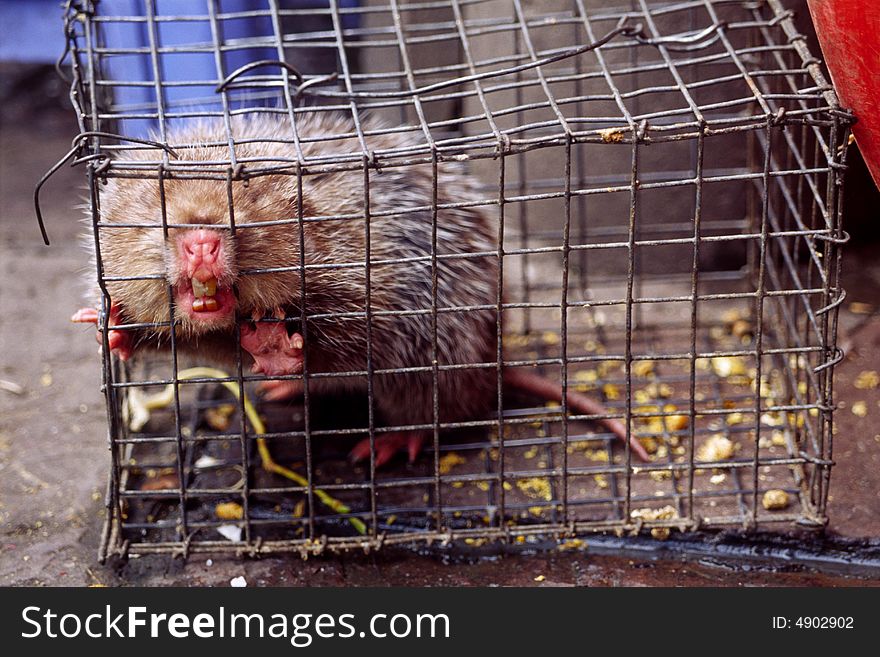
x=775, y=500
x=859, y=409
x=611, y=391
x=238, y=582
x=718, y=478
x=741, y=328
x=536, y=488
x=449, y=461
x=735, y=418
x=586, y=376
x=662, y=390
x=716, y=448
x=540, y=578
x=516, y=340
x=229, y=511
x=727, y=366
x=220, y=418
x=46, y=380
x=597, y=455
x=772, y=419
x=611, y=135
x=660, y=475
x=678, y=422
x=860, y=308
x=571, y=544
x=550, y=338
x=641, y=397
x=643, y=368
x=663, y=513
x=867, y=380
x=731, y=315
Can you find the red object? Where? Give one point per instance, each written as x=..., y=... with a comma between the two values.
x=849, y=33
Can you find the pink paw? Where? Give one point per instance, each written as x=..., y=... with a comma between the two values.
x=120, y=341
x=274, y=352
x=388, y=444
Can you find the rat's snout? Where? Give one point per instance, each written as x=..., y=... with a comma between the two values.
x=201, y=254
x=203, y=265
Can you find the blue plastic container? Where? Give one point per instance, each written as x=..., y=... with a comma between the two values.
x=196, y=73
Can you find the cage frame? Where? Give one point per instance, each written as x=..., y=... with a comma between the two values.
x=90, y=148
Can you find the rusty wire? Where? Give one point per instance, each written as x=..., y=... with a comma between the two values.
x=686, y=78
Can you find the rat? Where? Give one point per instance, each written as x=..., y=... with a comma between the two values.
x=207, y=274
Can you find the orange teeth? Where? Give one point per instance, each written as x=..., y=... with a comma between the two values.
x=205, y=305
x=207, y=288
x=204, y=291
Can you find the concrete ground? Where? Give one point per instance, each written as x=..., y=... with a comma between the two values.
x=53, y=451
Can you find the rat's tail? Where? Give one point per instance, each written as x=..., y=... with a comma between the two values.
x=543, y=388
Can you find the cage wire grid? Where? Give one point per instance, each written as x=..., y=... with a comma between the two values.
x=666, y=178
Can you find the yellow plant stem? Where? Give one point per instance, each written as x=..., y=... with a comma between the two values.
x=269, y=464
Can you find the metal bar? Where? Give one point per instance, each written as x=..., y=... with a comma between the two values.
x=732, y=68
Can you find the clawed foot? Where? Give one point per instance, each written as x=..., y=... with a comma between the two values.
x=274, y=352
x=120, y=341
x=388, y=444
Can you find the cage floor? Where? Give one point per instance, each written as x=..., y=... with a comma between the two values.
x=485, y=486
x=732, y=401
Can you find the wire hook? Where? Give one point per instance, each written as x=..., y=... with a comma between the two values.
x=76, y=146
x=258, y=64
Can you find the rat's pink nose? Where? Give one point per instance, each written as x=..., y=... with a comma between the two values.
x=201, y=252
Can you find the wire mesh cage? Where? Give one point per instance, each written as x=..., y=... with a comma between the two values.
x=662, y=185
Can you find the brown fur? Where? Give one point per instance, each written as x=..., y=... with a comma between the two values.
x=333, y=344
